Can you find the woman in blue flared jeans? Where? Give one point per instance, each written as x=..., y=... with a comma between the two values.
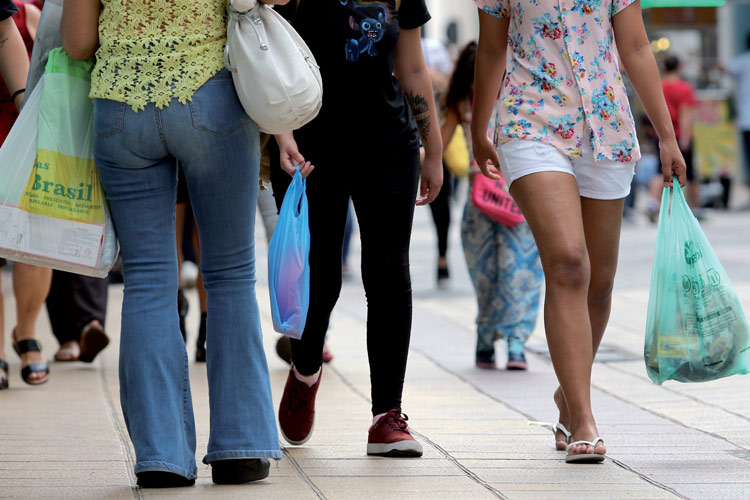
x=161, y=95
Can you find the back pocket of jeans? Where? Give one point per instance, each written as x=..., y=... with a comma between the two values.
x=109, y=117
x=215, y=107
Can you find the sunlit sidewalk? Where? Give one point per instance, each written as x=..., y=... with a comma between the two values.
x=66, y=439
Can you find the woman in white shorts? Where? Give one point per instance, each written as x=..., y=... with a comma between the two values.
x=567, y=147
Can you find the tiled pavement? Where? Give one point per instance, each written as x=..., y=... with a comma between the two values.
x=67, y=439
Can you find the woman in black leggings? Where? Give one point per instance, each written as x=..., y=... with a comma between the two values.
x=363, y=145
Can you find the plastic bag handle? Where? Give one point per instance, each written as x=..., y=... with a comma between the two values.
x=671, y=199
x=299, y=184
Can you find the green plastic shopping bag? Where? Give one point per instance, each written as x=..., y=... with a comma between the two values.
x=52, y=207
x=696, y=330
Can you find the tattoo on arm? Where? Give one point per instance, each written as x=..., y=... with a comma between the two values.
x=2, y=42
x=421, y=110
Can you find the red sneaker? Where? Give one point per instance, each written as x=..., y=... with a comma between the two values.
x=297, y=409
x=390, y=437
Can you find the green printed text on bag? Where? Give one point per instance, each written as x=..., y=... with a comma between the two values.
x=65, y=187
x=64, y=182
x=695, y=328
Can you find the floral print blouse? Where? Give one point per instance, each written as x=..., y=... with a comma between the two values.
x=562, y=77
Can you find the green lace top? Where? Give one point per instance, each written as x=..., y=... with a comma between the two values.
x=157, y=50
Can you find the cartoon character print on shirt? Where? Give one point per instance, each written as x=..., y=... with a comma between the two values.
x=371, y=28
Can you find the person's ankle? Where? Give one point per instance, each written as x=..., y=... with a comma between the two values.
x=516, y=345
x=581, y=422
x=308, y=380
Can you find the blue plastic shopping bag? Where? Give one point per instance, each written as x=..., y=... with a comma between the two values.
x=288, y=262
x=696, y=330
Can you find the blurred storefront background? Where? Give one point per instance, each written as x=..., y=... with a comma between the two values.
x=705, y=39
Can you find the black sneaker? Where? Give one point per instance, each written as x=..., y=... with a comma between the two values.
x=485, y=360
x=239, y=470
x=162, y=479
x=516, y=361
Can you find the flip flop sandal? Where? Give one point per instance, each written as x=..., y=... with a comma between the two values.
x=31, y=345
x=93, y=341
x=3, y=378
x=555, y=428
x=66, y=354
x=560, y=427
x=584, y=458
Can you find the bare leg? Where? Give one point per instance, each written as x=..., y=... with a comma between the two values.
x=557, y=224
x=30, y=286
x=602, y=220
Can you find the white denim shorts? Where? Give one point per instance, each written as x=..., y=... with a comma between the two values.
x=600, y=180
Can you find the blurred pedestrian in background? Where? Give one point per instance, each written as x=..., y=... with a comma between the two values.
x=681, y=101
x=503, y=261
x=77, y=310
x=440, y=66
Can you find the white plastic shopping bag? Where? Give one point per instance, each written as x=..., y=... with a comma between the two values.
x=52, y=207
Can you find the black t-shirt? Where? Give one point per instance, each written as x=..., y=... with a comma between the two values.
x=354, y=44
x=7, y=9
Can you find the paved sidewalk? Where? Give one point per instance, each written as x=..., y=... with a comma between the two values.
x=67, y=439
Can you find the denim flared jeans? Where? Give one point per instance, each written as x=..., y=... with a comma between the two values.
x=136, y=154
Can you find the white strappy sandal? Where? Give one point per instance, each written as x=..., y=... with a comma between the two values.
x=584, y=458
x=554, y=428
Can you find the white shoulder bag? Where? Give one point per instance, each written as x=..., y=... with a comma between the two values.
x=274, y=72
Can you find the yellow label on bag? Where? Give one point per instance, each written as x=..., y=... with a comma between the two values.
x=64, y=187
